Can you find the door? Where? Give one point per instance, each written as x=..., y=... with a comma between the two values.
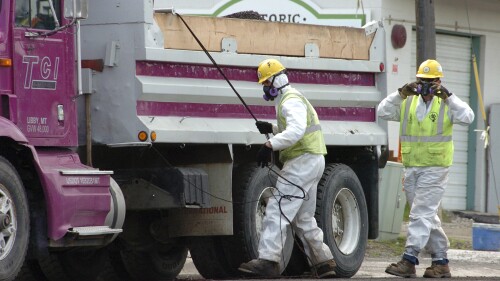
x=43, y=62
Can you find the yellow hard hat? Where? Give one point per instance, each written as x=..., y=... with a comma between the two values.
x=268, y=68
x=430, y=69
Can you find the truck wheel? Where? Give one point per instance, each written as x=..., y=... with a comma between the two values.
x=252, y=187
x=31, y=272
x=342, y=214
x=14, y=221
x=75, y=265
x=209, y=258
x=159, y=263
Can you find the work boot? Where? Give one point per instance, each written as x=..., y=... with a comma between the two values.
x=324, y=269
x=437, y=271
x=404, y=268
x=260, y=267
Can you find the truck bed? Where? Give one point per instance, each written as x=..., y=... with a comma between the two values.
x=161, y=80
x=264, y=37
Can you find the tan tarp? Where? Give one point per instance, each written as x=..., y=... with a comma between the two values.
x=263, y=37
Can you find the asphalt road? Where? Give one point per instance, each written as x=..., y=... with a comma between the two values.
x=464, y=264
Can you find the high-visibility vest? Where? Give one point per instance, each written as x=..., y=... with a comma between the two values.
x=427, y=142
x=313, y=141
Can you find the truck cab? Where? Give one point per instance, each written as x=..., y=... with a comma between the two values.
x=52, y=203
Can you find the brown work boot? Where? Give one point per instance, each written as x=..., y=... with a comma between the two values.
x=403, y=268
x=437, y=271
x=260, y=267
x=324, y=269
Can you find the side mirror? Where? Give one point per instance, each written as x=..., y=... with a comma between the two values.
x=77, y=9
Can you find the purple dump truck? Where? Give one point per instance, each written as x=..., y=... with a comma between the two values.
x=122, y=147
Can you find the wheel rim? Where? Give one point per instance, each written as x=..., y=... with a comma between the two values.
x=346, y=221
x=8, y=223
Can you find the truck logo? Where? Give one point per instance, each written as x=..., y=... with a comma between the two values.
x=40, y=74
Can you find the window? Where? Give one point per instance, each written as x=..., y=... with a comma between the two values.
x=37, y=13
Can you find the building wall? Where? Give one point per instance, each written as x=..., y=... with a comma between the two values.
x=476, y=17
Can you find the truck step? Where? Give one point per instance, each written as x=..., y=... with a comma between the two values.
x=94, y=230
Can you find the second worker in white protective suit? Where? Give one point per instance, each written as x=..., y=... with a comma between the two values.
x=426, y=111
x=299, y=140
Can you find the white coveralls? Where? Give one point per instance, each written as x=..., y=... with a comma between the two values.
x=424, y=186
x=304, y=171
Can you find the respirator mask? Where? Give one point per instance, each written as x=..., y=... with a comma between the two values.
x=424, y=86
x=270, y=92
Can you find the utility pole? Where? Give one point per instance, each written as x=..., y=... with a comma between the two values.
x=426, y=30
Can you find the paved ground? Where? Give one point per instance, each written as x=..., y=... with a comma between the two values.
x=469, y=264
x=463, y=263
x=473, y=265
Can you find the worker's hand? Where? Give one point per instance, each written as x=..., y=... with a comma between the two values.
x=440, y=91
x=408, y=89
x=264, y=156
x=264, y=127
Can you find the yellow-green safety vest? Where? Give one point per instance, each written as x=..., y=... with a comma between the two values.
x=313, y=141
x=428, y=142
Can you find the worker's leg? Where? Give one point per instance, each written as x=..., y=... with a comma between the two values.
x=424, y=187
x=438, y=242
x=305, y=223
x=300, y=171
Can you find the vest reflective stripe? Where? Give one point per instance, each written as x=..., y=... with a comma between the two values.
x=427, y=142
x=313, y=128
x=313, y=141
x=441, y=119
x=426, y=139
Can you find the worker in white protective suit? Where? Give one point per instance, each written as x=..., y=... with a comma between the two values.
x=426, y=111
x=300, y=141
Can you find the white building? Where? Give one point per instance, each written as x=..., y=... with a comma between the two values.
x=463, y=29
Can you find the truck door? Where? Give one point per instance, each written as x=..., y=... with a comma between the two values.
x=5, y=59
x=44, y=81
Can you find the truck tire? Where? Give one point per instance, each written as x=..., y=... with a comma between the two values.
x=31, y=272
x=160, y=263
x=342, y=214
x=14, y=222
x=251, y=188
x=75, y=265
x=210, y=259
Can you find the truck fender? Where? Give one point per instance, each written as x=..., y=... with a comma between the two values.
x=10, y=130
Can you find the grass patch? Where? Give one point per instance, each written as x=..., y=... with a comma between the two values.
x=460, y=244
x=386, y=248
x=396, y=247
x=406, y=214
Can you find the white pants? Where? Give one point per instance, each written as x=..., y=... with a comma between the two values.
x=304, y=171
x=424, y=188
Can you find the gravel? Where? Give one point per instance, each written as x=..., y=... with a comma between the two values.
x=251, y=15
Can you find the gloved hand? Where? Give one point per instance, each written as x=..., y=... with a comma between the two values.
x=264, y=127
x=408, y=89
x=264, y=156
x=440, y=91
